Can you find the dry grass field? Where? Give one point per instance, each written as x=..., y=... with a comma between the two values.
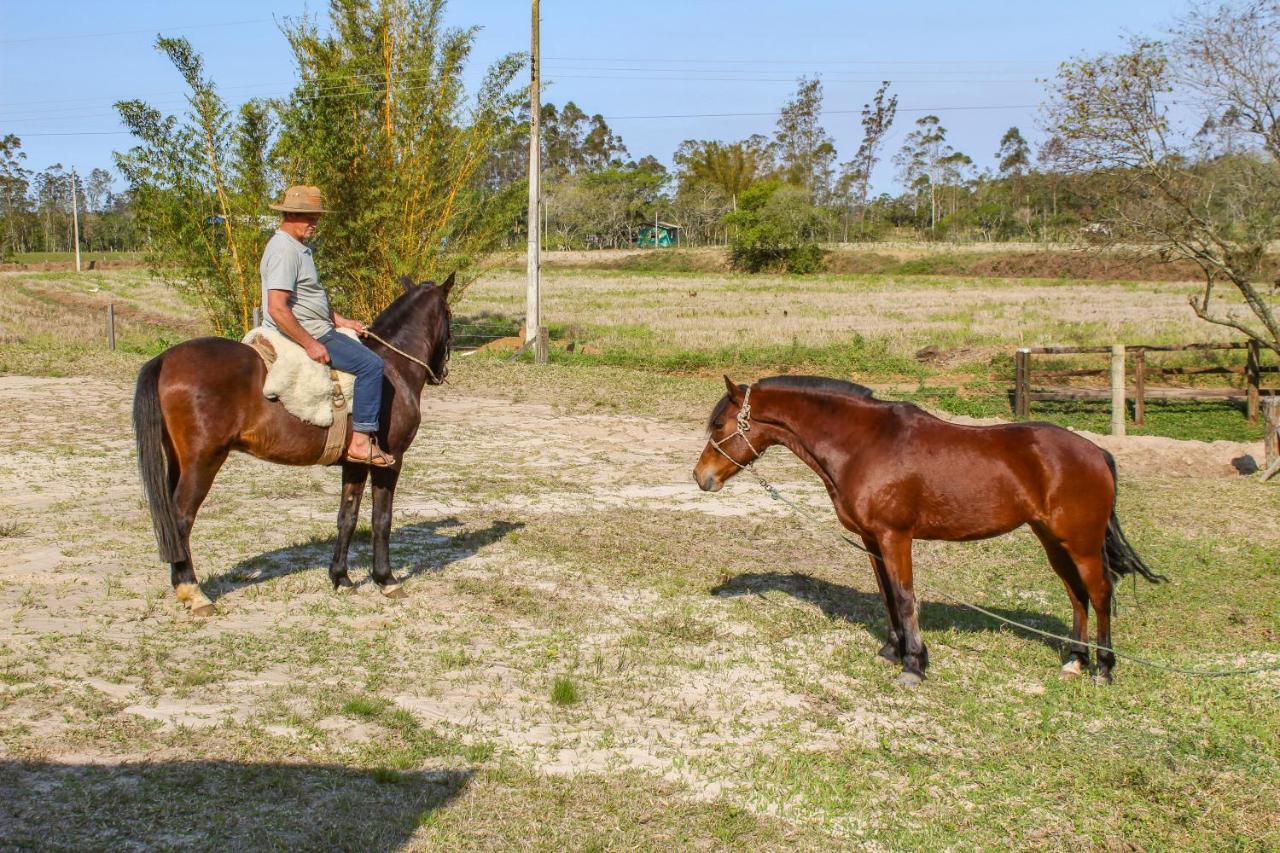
x=594, y=654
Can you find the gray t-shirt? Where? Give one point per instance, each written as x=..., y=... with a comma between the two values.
x=287, y=265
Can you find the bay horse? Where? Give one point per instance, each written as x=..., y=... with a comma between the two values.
x=896, y=473
x=200, y=400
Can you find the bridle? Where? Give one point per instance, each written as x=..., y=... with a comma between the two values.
x=744, y=427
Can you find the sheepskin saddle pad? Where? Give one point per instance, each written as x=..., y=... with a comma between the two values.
x=302, y=386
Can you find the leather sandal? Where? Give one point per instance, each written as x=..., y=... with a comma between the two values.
x=382, y=460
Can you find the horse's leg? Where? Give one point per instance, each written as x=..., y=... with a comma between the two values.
x=195, y=478
x=384, y=489
x=1077, y=661
x=891, y=651
x=1098, y=583
x=897, y=556
x=353, y=480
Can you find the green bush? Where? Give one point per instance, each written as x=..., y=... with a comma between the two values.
x=774, y=229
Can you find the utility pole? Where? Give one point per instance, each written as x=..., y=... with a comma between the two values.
x=533, y=304
x=75, y=217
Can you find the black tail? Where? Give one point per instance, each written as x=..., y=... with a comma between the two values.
x=1117, y=553
x=153, y=462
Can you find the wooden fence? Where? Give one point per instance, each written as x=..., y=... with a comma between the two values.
x=1025, y=391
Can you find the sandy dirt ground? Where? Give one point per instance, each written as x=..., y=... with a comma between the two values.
x=497, y=605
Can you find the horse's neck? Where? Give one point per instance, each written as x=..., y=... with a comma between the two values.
x=796, y=417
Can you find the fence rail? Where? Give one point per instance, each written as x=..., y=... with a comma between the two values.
x=1025, y=392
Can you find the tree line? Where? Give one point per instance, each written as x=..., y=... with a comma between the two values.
x=36, y=208
x=1171, y=144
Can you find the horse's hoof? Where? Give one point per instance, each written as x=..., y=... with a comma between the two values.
x=889, y=654
x=910, y=679
x=202, y=610
x=1072, y=669
x=394, y=590
x=343, y=584
x=1103, y=678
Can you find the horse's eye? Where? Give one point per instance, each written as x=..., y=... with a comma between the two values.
x=718, y=425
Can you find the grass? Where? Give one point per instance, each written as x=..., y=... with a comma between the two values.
x=85, y=257
x=564, y=691
x=593, y=654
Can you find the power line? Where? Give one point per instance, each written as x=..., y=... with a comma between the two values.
x=806, y=62
x=677, y=115
x=827, y=112
x=147, y=31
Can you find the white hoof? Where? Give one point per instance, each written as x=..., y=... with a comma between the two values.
x=394, y=590
x=195, y=600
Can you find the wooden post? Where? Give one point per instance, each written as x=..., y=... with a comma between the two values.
x=543, y=346
x=533, y=294
x=1022, y=383
x=1139, y=387
x=1117, y=390
x=1253, y=381
x=111, y=325
x=1271, y=437
x=75, y=220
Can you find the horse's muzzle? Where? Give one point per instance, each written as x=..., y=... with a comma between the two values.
x=708, y=482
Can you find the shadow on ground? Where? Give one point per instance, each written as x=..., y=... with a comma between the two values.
x=838, y=601
x=216, y=805
x=416, y=549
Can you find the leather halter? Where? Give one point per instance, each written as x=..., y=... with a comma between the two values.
x=744, y=427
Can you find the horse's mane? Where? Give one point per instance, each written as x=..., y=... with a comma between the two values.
x=398, y=312
x=821, y=384
x=816, y=383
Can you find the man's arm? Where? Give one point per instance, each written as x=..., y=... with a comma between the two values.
x=343, y=323
x=278, y=308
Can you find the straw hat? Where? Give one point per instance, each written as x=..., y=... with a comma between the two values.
x=301, y=199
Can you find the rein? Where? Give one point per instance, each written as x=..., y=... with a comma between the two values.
x=368, y=334
x=744, y=427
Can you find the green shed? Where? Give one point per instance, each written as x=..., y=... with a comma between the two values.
x=667, y=233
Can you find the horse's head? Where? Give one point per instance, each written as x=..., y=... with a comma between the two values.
x=433, y=321
x=732, y=442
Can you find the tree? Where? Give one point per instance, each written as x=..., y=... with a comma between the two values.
x=205, y=233
x=15, y=180
x=1219, y=211
x=731, y=167
x=1013, y=158
x=404, y=154
x=855, y=175
x=776, y=227
x=803, y=149
x=924, y=158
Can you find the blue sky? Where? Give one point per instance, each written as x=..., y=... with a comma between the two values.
x=62, y=64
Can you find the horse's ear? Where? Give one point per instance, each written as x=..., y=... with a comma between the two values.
x=735, y=393
x=406, y=282
x=448, y=283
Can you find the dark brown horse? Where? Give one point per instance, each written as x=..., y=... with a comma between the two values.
x=896, y=473
x=202, y=399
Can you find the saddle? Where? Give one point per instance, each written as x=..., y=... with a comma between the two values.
x=312, y=392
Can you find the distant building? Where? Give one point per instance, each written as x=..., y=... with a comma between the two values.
x=667, y=233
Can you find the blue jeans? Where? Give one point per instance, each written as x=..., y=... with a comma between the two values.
x=354, y=357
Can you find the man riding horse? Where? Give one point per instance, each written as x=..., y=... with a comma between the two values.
x=298, y=308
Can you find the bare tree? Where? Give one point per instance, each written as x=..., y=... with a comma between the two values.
x=1215, y=205
x=855, y=175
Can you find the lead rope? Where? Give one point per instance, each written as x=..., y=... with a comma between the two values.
x=744, y=426
x=368, y=334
